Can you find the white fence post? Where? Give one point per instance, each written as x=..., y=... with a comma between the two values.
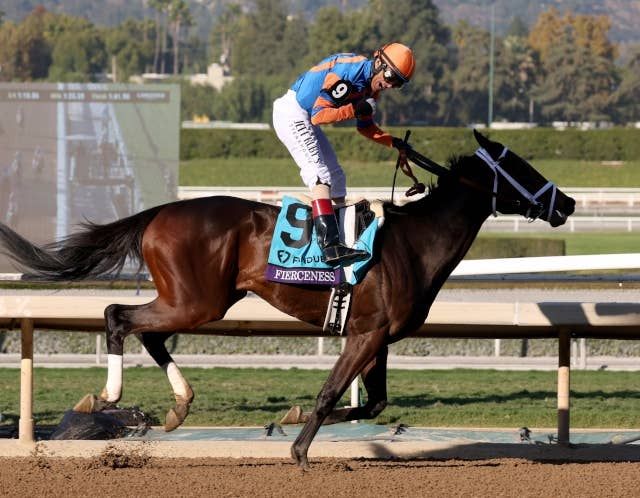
x=564, y=368
x=25, y=422
x=583, y=353
x=98, y=349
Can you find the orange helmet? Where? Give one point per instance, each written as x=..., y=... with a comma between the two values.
x=399, y=58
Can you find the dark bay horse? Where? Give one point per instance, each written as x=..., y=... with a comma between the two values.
x=205, y=254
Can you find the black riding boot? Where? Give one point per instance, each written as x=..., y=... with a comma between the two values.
x=334, y=252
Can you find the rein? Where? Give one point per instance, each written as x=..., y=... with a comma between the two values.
x=535, y=207
x=402, y=163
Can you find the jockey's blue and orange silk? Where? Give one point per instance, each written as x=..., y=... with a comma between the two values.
x=314, y=93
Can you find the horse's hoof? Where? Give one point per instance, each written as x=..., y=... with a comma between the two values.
x=176, y=415
x=295, y=415
x=86, y=404
x=300, y=459
x=172, y=421
x=91, y=404
x=292, y=416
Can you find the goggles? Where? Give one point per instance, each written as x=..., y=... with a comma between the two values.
x=391, y=77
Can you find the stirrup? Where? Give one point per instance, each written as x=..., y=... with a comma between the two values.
x=341, y=255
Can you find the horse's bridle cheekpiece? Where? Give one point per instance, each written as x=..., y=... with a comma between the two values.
x=535, y=207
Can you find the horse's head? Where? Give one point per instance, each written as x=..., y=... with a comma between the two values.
x=518, y=188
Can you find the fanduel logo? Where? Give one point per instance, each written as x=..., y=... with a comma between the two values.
x=283, y=256
x=307, y=260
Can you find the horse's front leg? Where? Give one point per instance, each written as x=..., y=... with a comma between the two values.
x=374, y=378
x=359, y=350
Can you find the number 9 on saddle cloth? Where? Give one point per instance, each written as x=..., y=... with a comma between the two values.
x=295, y=256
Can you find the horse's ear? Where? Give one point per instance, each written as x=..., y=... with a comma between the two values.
x=481, y=139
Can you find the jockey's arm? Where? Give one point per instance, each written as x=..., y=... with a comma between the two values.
x=325, y=112
x=367, y=127
x=333, y=103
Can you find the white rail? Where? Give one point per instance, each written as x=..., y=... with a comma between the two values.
x=624, y=261
x=574, y=224
x=629, y=197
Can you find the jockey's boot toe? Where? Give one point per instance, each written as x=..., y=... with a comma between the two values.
x=341, y=255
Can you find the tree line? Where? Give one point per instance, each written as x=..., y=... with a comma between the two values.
x=563, y=68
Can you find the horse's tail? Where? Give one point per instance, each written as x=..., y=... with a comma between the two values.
x=93, y=251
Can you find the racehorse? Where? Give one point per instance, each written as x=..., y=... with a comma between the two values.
x=205, y=254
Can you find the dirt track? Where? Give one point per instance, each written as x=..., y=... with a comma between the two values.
x=113, y=474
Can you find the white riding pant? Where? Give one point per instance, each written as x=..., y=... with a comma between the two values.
x=308, y=145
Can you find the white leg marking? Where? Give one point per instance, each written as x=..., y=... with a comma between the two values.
x=178, y=383
x=114, y=377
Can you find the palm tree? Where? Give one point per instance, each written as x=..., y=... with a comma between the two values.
x=179, y=15
x=160, y=6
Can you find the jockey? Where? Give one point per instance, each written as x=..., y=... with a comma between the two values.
x=342, y=86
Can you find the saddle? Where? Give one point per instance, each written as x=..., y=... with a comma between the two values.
x=296, y=258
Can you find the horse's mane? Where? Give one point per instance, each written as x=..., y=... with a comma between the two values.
x=434, y=190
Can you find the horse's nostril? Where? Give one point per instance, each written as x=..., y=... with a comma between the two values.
x=558, y=218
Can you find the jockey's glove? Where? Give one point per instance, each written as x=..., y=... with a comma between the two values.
x=365, y=108
x=400, y=144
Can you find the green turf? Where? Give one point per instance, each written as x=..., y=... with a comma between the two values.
x=590, y=173
x=254, y=397
x=284, y=172
x=252, y=172
x=585, y=243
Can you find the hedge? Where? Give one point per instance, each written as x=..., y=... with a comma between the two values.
x=617, y=144
x=514, y=247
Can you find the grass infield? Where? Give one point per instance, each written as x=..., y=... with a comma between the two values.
x=254, y=397
x=258, y=172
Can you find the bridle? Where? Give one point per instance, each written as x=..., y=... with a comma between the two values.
x=536, y=208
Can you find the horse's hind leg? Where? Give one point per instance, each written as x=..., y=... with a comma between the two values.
x=119, y=323
x=154, y=343
x=157, y=316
